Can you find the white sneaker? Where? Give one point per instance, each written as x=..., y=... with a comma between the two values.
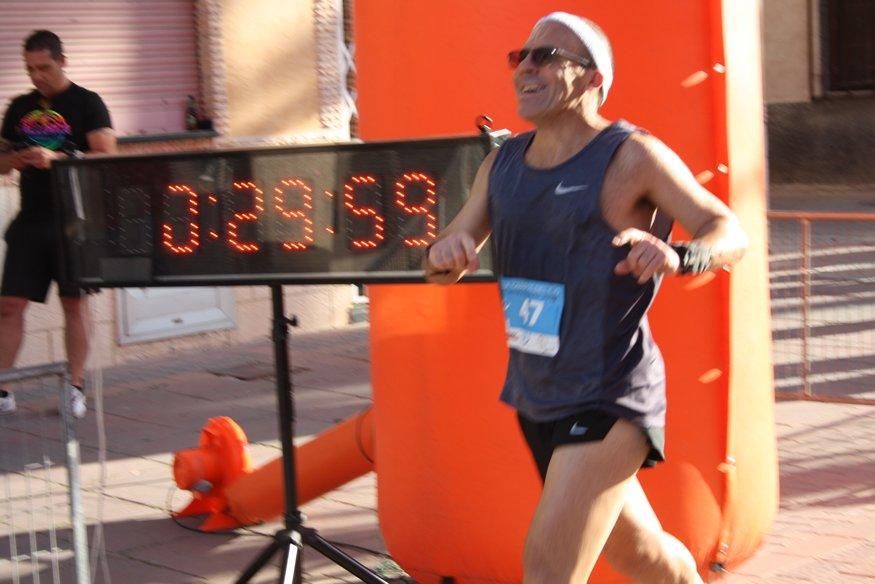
x=7, y=404
x=77, y=402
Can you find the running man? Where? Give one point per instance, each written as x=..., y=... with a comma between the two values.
x=580, y=252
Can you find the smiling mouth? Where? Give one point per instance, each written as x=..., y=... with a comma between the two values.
x=530, y=89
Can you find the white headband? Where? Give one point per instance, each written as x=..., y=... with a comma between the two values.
x=594, y=42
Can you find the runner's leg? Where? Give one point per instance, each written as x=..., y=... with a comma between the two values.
x=640, y=549
x=584, y=493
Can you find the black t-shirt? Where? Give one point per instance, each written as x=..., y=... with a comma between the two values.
x=58, y=123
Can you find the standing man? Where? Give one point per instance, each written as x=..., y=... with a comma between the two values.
x=580, y=251
x=55, y=120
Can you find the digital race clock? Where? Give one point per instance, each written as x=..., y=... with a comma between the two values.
x=304, y=214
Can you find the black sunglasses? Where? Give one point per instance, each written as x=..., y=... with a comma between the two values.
x=543, y=55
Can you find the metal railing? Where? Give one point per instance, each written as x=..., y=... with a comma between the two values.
x=822, y=286
x=27, y=450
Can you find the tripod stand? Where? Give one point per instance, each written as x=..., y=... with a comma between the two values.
x=291, y=540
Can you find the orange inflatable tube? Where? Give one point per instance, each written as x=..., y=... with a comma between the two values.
x=223, y=485
x=333, y=458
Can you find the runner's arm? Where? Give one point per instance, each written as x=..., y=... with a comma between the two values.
x=454, y=252
x=674, y=189
x=718, y=240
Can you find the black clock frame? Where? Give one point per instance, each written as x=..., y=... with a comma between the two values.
x=84, y=196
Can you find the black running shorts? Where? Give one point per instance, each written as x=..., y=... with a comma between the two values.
x=588, y=426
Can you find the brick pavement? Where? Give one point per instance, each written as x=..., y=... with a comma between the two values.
x=823, y=532
x=825, y=528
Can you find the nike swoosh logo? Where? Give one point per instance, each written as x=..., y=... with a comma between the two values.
x=562, y=190
x=577, y=429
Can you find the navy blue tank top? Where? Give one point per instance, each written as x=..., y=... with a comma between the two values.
x=547, y=226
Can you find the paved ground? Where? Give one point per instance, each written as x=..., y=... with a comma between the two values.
x=823, y=532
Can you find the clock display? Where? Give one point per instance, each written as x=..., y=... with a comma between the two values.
x=305, y=214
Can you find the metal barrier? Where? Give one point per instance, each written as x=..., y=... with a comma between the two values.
x=822, y=285
x=28, y=444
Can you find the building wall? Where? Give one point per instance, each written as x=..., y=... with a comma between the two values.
x=787, y=48
x=814, y=137
x=270, y=58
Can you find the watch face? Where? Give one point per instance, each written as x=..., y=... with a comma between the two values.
x=310, y=214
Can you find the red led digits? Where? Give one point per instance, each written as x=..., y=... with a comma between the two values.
x=245, y=217
x=363, y=185
x=243, y=209
x=329, y=229
x=304, y=214
x=167, y=238
x=212, y=200
x=424, y=208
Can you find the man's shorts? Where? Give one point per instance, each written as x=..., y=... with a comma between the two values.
x=32, y=262
x=588, y=426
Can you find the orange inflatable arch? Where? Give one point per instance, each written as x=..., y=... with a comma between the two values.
x=456, y=487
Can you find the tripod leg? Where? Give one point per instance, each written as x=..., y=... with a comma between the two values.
x=259, y=562
x=290, y=571
x=348, y=563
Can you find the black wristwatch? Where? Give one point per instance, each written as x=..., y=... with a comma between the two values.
x=695, y=257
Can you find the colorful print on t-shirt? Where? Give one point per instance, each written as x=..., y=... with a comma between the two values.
x=46, y=128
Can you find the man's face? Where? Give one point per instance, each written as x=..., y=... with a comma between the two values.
x=556, y=86
x=45, y=72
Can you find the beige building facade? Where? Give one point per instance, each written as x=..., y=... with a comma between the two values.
x=819, y=87
x=269, y=72
x=817, y=49
x=788, y=48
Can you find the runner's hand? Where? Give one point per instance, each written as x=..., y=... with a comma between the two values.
x=647, y=257
x=450, y=257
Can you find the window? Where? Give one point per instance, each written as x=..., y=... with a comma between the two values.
x=851, y=52
x=139, y=55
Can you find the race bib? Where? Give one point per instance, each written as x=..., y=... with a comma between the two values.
x=532, y=312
